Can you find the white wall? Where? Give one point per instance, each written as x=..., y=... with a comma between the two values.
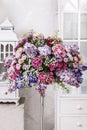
x=39, y=15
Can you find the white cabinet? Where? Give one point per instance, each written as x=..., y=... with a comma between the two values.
x=70, y=111
x=73, y=123
x=8, y=41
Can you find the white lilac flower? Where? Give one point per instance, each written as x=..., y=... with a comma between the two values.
x=45, y=50
x=30, y=50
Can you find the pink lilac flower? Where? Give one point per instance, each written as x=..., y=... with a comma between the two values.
x=13, y=86
x=59, y=50
x=45, y=50
x=14, y=61
x=13, y=76
x=76, y=59
x=11, y=73
x=18, y=66
x=37, y=62
x=75, y=64
x=70, y=56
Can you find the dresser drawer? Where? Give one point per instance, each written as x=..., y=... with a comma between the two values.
x=5, y=94
x=73, y=123
x=73, y=106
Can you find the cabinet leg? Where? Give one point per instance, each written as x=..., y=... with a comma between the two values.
x=17, y=103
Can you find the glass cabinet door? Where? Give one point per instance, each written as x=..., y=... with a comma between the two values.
x=70, y=26
x=83, y=26
x=6, y=49
x=83, y=50
x=74, y=30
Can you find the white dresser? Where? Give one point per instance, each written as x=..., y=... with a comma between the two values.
x=6, y=96
x=70, y=110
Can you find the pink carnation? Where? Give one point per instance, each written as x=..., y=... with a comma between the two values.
x=45, y=78
x=37, y=62
x=60, y=65
x=59, y=50
x=51, y=67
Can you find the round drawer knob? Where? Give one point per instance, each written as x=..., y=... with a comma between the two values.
x=79, y=124
x=79, y=107
x=6, y=93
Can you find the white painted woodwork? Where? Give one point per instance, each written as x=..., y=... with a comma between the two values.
x=8, y=41
x=71, y=109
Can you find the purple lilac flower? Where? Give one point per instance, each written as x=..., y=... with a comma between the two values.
x=84, y=68
x=32, y=79
x=13, y=86
x=78, y=73
x=8, y=60
x=69, y=77
x=19, y=82
x=30, y=50
x=20, y=85
x=74, y=49
x=45, y=50
x=41, y=89
x=79, y=79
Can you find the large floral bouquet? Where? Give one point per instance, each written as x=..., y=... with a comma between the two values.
x=42, y=61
